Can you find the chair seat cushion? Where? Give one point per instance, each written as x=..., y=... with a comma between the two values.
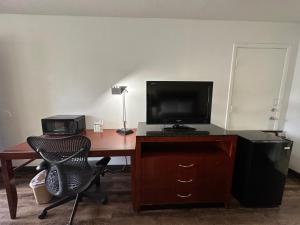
x=74, y=177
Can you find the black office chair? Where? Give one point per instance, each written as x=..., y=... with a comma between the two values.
x=69, y=175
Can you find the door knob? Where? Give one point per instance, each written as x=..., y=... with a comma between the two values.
x=273, y=118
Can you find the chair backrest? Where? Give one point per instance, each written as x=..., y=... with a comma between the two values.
x=68, y=168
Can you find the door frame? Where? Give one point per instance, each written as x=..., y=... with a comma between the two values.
x=233, y=67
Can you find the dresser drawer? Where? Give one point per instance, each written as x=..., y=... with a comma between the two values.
x=185, y=191
x=187, y=167
x=191, y=176
x=157, y=195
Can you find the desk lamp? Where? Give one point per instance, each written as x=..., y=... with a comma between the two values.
x=121, y=90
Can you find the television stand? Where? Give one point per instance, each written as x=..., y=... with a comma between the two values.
x=182, y=168
x=179, y=127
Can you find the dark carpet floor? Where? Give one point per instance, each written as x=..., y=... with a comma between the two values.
x=119, y=209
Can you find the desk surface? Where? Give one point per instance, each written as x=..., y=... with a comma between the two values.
x=108, y=143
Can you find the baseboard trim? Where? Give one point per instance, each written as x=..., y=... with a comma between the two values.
x=120, y=167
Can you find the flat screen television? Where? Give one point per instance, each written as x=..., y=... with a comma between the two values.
x=179, y=102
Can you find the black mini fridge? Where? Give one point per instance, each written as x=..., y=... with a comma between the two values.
x=261, y=167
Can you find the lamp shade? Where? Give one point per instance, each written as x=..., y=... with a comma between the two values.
x=117, y=90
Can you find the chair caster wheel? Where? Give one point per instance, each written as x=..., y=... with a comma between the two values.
x=104, y=200
x=43, y=215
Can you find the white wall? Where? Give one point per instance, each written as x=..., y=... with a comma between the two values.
x=66, y=65
x=292, y=125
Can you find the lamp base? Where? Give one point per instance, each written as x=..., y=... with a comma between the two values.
x=124, y=132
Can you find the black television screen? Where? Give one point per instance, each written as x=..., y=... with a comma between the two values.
x=179, y=102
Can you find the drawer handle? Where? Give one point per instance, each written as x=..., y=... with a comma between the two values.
x=185, y=181
x=184, y=196
x=186, y=166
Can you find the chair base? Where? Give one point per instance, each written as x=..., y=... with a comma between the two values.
x=101, y=197
x=78, y=197
x=55, y=204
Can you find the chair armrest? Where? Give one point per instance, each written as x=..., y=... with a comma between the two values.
x=42, y=166
x=101, y=165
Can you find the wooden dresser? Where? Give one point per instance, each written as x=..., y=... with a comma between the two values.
x=182, y=168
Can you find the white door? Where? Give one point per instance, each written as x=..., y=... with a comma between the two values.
x=256, y=88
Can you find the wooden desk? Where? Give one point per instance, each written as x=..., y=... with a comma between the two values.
x=108, y=143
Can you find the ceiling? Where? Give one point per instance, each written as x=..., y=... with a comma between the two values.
x=252, y=10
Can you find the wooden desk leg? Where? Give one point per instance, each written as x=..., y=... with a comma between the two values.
x=133, y=193
x=10, y=186
x=133, y=184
